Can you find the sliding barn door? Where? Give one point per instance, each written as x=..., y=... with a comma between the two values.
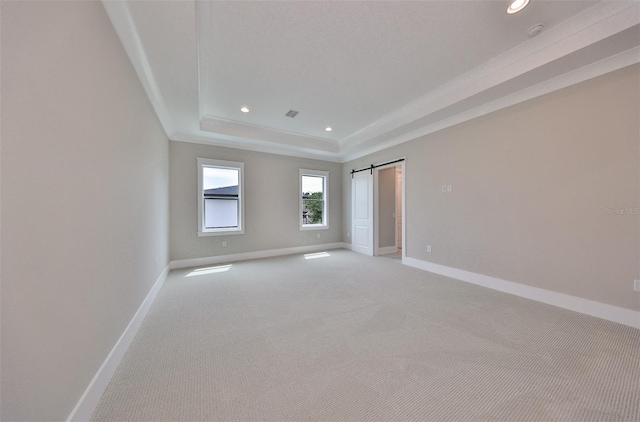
x=362, y=212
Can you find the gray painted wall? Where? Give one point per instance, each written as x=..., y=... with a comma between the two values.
x=271, y=202
x=84, y=202
x=531, y=187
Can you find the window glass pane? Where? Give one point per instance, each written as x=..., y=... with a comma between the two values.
x=312, y=199
x=221, y=197
x=215, y=177
x=313, y=187
x=312, y=211
x=220, y=213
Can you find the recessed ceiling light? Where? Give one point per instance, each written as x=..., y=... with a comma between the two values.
x=244, y=110
x=328, y=129
x=516, y=6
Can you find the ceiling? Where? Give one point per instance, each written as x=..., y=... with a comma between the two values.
x=378, y=73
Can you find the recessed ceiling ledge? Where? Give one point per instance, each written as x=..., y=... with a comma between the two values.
x=260, y=133
x=593, y=25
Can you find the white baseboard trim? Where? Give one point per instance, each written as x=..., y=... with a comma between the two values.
x=91, y=396
x=387, y=249
x=561, y=300
x=220, y=259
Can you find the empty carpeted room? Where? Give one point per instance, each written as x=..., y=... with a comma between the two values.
x=320, y=210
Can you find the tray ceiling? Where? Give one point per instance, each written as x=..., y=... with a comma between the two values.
x=377, y=73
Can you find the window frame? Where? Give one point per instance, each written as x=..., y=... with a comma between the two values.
x=325, y=210
x=224, y=164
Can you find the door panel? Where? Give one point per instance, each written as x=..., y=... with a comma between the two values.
x=362, y=236
x=362, y=214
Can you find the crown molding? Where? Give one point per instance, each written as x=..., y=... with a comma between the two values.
x=610, y=64
x=597, y=23
x=266, y=134
x=122, y=21
x=594, y=24
x=256, y=146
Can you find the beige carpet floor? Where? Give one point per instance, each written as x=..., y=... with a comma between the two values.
x=345, y=337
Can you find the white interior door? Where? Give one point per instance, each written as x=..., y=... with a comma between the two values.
x=362, y=212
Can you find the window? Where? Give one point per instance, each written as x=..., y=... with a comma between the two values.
x=220, y=201
x=314, y=198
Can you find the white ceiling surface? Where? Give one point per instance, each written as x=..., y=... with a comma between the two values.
x=379, y=73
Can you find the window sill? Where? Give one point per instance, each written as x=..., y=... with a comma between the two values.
x=220, y=233
x=314, y=227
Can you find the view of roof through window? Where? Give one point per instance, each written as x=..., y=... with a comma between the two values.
x=215, y=177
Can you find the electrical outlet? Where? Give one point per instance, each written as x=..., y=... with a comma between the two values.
x=444, y=188
x=348, y=234
x=224, y=243
x=449, y=188
x=636, y=285
x=318, y=235
x=429, y=248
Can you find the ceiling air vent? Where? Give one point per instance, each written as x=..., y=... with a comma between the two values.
x=291, y=113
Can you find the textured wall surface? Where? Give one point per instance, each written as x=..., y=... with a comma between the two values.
x=545, y=193
x=272, y=202
x=84, y=202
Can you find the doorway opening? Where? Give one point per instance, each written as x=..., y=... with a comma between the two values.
x=378, y=210
x=388, y=211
